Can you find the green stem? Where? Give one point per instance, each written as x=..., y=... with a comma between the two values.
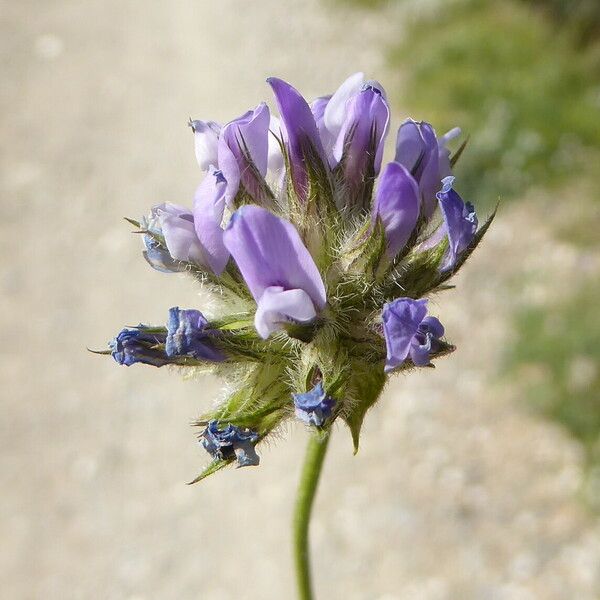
x=313, y=462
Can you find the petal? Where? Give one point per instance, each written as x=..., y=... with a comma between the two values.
x=433, y=326
x=401, y=320
x=277, y=306
x=362, y=136
x=420, y=350
x=243, y=151
x=206, y=136
x=209, y=204
x=300, y=131
x=460, y=222
x=397, y=205
x=269, y=252
x=318, y=107
x=275, y=161
x=335, y=112
x=177, y=226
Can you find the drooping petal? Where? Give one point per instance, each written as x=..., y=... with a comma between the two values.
x=361, y=139
x=243, y=152
x=209, y=204
x=460, y=222
x=206, y=136
x=277, y=306
x=269, y=252
x=397, y=205
x=187, y=336
x=300, y=133
x=401, y=320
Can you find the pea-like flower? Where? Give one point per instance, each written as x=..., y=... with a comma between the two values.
x=302, y=240
x=409, y=332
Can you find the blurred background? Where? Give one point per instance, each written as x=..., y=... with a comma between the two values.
x=479, y=480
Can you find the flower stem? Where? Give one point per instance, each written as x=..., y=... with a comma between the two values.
x=313, y=462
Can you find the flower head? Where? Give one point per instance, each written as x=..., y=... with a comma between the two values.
x=301, y=242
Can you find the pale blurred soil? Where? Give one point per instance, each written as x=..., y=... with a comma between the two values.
x=457, y=493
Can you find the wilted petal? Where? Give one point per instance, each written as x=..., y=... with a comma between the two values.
x=397, y=205
x=206, y=136
x=269, y=252
x=300, y=132
x=243, y=151
x=277, y=306
x=136, y=345
x=460, y=222
x=187, y=336
x=230, y=442
x=313, y=407
x=209, y=204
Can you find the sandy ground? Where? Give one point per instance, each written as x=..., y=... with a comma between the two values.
x=456, y=493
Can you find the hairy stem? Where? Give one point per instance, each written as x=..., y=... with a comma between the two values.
x=313, y=462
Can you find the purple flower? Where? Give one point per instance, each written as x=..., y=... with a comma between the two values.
x=278, y=269
x=209, y=204
x=397, y=205
x=137, y=345
x=426, y=157
x=409, y=332
x=460, y=223
x=313, y=407
x=229, y=443
x=176, y=225
x=243, y=152
x=300, y=134
x=361, y=139
x=275, y=162
x=206, y=137
x=187, y=335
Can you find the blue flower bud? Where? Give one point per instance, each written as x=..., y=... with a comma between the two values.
x=313, y=407
x=229, y=443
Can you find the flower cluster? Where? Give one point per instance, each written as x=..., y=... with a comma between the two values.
x=318, y=256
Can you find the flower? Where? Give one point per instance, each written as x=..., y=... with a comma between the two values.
x=460, y=223
x=188, y=335
x=426, y=157
x=409, y=332
x=397, y=205
x=277, y=268
x=136, y=345
x=313, y=407
x=229, y=443
x=243, y=153
x=306, y=317
x=360, y=141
